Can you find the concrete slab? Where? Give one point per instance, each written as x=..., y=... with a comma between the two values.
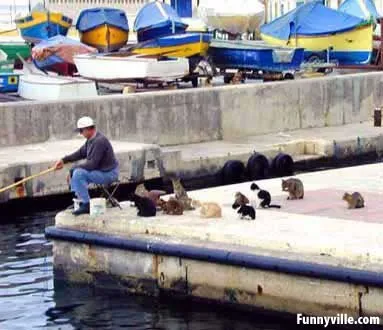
x=137, y=160
x=314, y=226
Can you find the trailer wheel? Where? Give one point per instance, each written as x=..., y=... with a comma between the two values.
x=194, y=81
x=288, y=76
x=227, y=78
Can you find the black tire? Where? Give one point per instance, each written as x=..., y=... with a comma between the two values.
x=288, y=76
x=257, y=167
x=194, y=81
x=233, y=172
x=227, y=78
x=283, y=165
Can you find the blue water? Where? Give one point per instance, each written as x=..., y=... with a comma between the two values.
x=30, y=298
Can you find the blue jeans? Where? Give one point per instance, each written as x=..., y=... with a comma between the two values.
x=82, y=178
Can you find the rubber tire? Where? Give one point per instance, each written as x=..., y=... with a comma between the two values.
x=233, y=172
x=257, y=167
x=283, y=165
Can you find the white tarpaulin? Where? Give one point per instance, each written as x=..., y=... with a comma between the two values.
x=233, y=16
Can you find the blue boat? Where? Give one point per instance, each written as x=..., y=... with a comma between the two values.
x=9, y=82
x=157, y=19
x=254, y=56
x=43, y=24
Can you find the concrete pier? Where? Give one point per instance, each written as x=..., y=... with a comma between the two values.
x=312, y=256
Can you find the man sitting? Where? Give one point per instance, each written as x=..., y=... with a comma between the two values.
x=100, y=167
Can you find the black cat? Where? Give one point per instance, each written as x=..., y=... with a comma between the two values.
x=146, y=207
x=265, y=196
x=247, y=210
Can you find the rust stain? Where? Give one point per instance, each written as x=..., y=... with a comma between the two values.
x=155, y=266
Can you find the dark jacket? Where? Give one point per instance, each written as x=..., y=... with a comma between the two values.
x=98, y=153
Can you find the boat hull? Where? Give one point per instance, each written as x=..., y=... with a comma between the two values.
x=349, y=47
x=47, y=88
x=119, y=67
x=182, y=45
x=13, y=48
x=160, y=31
x=105, y=38
x=43, y=25
x=9, y=82
x=242, y=55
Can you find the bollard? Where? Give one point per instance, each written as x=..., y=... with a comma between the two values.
x=378, y=117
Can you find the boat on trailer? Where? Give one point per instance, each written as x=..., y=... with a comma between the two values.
x=129, y=67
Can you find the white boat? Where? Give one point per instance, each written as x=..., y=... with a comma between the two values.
x=46, y=88
x=127, y=67
x=233, y=16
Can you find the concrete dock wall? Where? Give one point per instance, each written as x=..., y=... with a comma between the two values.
x=153, y=274
x=198, y=115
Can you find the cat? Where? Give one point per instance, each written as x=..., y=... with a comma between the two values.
x=145, y=206
x=354, y=200
x=247, y=210
x=172, y=206
x=295, y=188
x=265, y=196
x=154, y=195
x=181, y=194
x=210, y=210
x=240, y=199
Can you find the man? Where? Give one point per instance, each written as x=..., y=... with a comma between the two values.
x=100, y=167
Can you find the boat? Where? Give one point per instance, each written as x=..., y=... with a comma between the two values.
x=253, y=56
x=157, y=19
x=128, y=67
x=232, y=16
x=9, y=82
x=106, y=29
x=43, y=24
x=177, y=45
x=57, y=50
x=47, y=88
x=365, y=9
x=323, y=32
x=11, y=48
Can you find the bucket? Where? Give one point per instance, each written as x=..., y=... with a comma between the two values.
x=97, y=207
x=76, y=203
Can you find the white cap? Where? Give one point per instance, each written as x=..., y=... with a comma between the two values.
x=84, y=122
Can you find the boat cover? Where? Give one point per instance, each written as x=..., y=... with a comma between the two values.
x=233, y=16
x=157, y=14
x=360, y=8
x=312, y=18
x=58, y=49
x=94, y=17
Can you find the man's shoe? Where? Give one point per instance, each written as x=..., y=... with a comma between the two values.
x=83, y=209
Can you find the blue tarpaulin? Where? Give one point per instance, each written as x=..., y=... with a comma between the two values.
x=92, y=18
x=157, y=19
x=312, y=18
x=360, y=8
x=58, y=49
x=156, y=14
